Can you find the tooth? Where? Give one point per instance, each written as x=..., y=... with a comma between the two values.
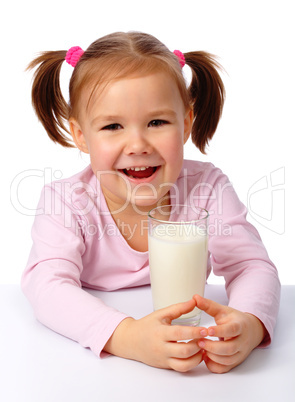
x=137, y=168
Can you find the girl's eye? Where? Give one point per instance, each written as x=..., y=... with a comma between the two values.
x=112, y=127
x=157, y=123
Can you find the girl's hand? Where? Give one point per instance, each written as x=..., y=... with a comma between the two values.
x=154, y=341
x=239, y=333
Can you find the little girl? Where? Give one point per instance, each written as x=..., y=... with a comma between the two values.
x=131, y=110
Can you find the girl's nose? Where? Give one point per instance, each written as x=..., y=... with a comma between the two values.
x=137, y=144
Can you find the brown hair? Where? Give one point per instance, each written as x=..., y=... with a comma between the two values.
x=117, y=56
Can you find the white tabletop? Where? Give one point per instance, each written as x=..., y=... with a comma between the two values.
x=38, y=365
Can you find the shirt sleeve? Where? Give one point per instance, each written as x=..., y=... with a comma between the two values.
x=51, y=280
x=238, y=254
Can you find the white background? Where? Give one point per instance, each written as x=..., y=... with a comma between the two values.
x=253, y=144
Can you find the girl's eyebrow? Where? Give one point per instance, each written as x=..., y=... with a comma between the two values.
x=169, y=112
x=153, y=114
x=104, y=118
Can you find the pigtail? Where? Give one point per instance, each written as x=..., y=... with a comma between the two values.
x=207, y=95
x=47, y=99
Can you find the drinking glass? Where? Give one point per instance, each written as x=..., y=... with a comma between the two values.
x=178, y=253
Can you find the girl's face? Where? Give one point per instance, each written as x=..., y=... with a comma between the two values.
x=134, y=132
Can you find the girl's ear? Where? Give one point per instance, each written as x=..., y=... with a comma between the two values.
x=78, y=136
x=188, y=123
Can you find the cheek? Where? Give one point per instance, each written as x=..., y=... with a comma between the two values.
x=174, y=149
x=101, y=155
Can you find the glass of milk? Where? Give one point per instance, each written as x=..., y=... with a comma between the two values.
x=178, y=254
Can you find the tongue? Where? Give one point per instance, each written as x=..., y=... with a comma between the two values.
x=140, y=174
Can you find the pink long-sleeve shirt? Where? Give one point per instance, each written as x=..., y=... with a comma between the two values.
x=76, y=243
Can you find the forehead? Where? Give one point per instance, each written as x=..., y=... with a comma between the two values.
x=154, y=90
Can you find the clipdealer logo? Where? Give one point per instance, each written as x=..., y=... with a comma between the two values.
x=266, y=201
x=265, y=198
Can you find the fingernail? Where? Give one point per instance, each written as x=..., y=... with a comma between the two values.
x=203, y=332
x=201, y=344
x=211, y=331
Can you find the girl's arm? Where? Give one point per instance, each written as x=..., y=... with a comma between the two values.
x=251, y=279
x=238, y=254
x=51, y=280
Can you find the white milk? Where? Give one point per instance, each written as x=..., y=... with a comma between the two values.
x=178, y=262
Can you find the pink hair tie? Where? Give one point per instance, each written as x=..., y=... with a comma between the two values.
x=73, y=55
x=180, y=56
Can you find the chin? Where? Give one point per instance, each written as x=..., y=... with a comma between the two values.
x=145, y=203
x=143, y=206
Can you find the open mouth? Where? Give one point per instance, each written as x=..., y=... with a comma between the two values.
x=142, y=172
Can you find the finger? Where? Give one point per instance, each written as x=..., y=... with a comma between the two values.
x=216, y=367
x=226, y=331
x=170, y=313
x=209, y=306
x=184, y=365
x=220, y=348
x=177, y=333
x=224, y=360
x=182, y=350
